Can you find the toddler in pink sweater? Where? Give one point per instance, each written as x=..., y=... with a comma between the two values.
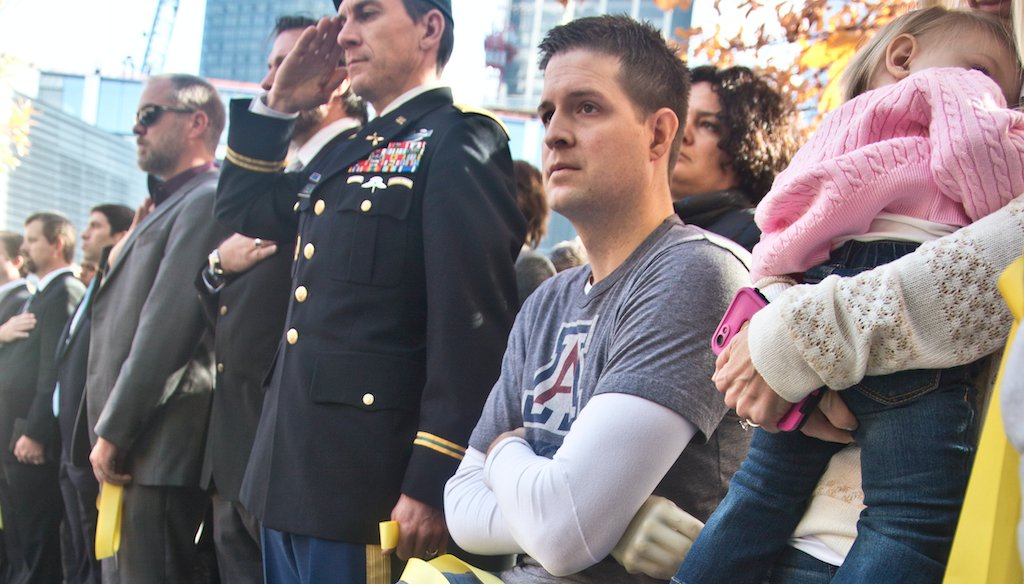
x=923, y=146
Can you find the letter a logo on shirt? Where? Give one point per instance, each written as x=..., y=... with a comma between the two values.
x=553, y=402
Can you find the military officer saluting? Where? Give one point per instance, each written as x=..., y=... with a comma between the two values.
x=403, y=291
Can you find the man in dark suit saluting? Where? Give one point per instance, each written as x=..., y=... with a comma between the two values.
x=31, y=496
x=150, y=374
x=245, y=290
x=403, y=291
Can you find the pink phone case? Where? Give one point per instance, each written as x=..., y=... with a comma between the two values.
x=797, y=415
x=744, y=304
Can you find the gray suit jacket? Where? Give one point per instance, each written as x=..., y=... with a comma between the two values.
x=150, y=375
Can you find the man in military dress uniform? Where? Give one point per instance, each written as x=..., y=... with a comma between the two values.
x=403, y=292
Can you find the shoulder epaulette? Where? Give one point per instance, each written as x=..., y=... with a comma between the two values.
x=468, y=109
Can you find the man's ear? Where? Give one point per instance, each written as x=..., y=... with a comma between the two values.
x=433, y=30
x=664, y=125
x=899, y=54
x=198, y=124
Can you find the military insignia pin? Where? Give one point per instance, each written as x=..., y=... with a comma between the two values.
x=374, y=183
x=418, y=135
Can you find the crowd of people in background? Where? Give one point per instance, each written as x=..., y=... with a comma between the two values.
x=350, y=319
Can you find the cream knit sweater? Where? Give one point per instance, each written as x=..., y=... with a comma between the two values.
x=937, y=307
x=934, y=308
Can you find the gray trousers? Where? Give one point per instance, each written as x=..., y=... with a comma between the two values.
x=158, y=530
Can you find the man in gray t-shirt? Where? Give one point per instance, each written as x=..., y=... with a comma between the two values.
x=605, y=394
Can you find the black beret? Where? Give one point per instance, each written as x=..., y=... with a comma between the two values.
x=445, y=6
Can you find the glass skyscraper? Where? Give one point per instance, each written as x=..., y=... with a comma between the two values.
x=238, y=34
x=529, y=20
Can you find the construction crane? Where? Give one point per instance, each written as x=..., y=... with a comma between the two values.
x=159, y=36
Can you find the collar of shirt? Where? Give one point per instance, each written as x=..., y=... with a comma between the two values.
x=407, y=96
x=161, y=191
x=6, y=288
x=312, y=147
x=45, y=280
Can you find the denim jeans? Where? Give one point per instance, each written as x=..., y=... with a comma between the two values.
x=916, y=435
x=797, y=567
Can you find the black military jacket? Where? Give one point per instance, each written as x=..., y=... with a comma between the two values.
x=403, y=294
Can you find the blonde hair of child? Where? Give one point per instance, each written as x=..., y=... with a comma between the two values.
x=918, y=24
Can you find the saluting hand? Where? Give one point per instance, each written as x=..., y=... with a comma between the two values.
x=309, y=73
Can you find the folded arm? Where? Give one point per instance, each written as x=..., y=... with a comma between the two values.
x=569, y=511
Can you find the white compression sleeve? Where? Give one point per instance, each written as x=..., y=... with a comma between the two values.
x=471, y=511
x=569, y=511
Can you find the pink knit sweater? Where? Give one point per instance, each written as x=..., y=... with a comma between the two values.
x=939, y=146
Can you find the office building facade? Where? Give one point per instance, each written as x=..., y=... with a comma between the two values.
x=237, y=35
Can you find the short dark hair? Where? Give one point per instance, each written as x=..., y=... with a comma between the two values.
x=120, y=217
x=292, y=22
x=650, y=71
x=12, y=243
x=759, y=134
x=56, y=227
x=417, y=9
x=531, y=200
x=196, y=93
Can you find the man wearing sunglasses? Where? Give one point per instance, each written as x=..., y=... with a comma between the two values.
x=403, y=292
x=245, y=289
x=150, y=373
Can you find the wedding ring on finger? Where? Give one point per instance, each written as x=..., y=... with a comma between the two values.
x=431, y=553
x=747, y=425
x=257, y=242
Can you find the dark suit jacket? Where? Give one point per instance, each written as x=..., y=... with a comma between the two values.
x=29, y=369
x=150, y=374
x=72, y=359
x=403, y=295
x=12, y=302
x=248, y=313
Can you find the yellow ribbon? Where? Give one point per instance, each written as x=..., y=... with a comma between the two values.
x=418, y=571
x=108, y=525
x=388, y=535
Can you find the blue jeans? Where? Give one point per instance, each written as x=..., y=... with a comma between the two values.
x=797, y=567
x=917, y=437
x=302, y=559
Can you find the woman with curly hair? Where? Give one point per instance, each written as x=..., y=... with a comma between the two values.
x=739, y=134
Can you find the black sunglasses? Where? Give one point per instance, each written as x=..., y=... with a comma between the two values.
x=150, y=114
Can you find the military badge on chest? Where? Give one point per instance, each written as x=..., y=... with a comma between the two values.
x=396, y=158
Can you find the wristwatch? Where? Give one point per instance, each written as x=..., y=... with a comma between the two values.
x=214, y=262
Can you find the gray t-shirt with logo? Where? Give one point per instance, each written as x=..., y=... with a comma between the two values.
x=644, y=330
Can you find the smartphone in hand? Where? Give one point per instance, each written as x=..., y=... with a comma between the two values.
x=745, y=303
